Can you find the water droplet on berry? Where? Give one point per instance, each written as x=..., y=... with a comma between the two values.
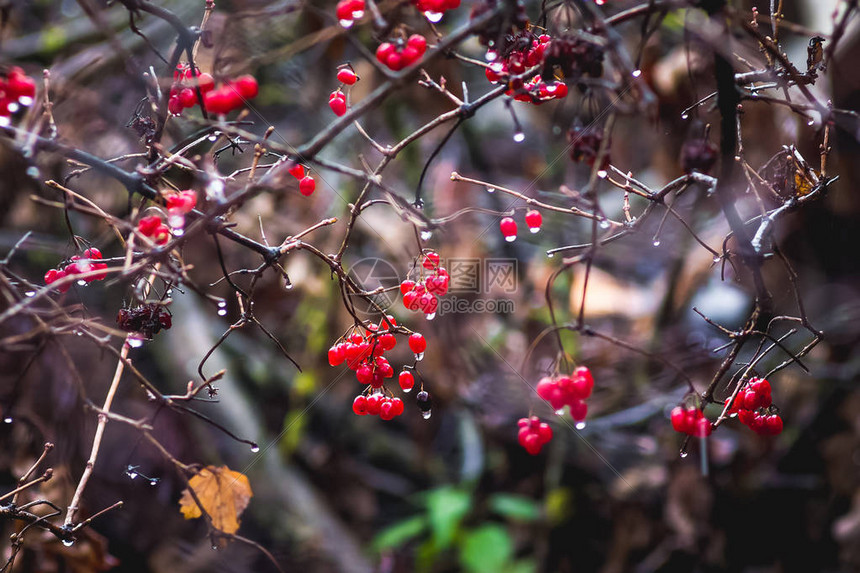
x=406, y=390
x=636, y=73
x=177, y=221
x=68, y=542
x=425, y=235
x=683, y=454
x=255, y=448
x=29, y=293
x=419, y=356
x=288, y=285
x=135, y=342
x=12, y=107
x=534, y=230
x=357, y=14
x=602, y=173
x=433, y=16
x=4, y=120
x=580, y=425
x=511, y=238
x=656, y=242
x=490, y=190
x=430, y=316
x=559, y=412
x=600, y=2
x=345, y=23
x=7, y=420
x=26, y=101
x=82, y=282
x=426, y=415
x=33, y=172
x=519, y=137
x=222, y=312
x=491, y=55
x=685, y=116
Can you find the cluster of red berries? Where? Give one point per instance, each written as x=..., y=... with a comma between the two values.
x=147, y=319
x=433, y=9
x=528, y=51
x=754, y=409
x=422, y=295
x=377, y=404
x=348, y=11
x=561, y=391
x=508, y=226
x=533, y=434
x=154, y=228
x=337, y=100
x=585, y=145
x=16, y=89
x=398, y=54
x=183, y=93
x=690, y=421
x=307, y=184
x=79, y=265
x=231, y=95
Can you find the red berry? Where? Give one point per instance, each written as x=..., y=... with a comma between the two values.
x=407, y=380
x=148, y=225
x=396, y=406
x=703, y=427
x=386, y=411
x=297, y=171
x=509, y=228
x=417, y=343
x=359, y=405
x=406, y=286
x=336, y=355
x=218, y=102
x=544, y=432
x=374, y=402
x=346, y=76
x=187, y=97
x=410, y=300
x=773, y=423
x=679, y=419
x=247, y=86
x=307, y=185
x=418, y=42
x=174, y=106
x=387, y=341
x=384, y=51
x=534, y=220
x=532, y=444
x=431, y=260
x=545, y=387
x=338, y=103
x=578, y=411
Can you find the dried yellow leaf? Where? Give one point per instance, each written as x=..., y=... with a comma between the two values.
x=223, y=493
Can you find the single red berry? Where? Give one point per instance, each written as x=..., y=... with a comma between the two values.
x=544, y=432
x=532, y=444
x=384, y=51
x=336, y=355
x=386, y=411
x=206, y=83
x=703, y=427
x=148, y=225
x=307, y=185
x=578, y=411
x=545, y=387
x=338, y=103
x=417, y=343
x=407, y=380
x=418, y=42
x=359, y=405
x=247, y=86
x=297, y=171
x=406, y=286
x=396, y=406
x=218, y=102
x=679, y=418
x=773, y=423
x=346, y=76
x=534, y=220
x=410, y=300
x=174, y=106
x=509, y=228
x=374, y=402
x=187, y=97
x=431, y=260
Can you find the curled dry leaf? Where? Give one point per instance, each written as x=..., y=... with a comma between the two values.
x=223, y=493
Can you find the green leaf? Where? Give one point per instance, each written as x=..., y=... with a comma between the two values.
x=515, y=507
x=486, y=549
x=522, y=566
x=399, y=533
x=446, y=507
